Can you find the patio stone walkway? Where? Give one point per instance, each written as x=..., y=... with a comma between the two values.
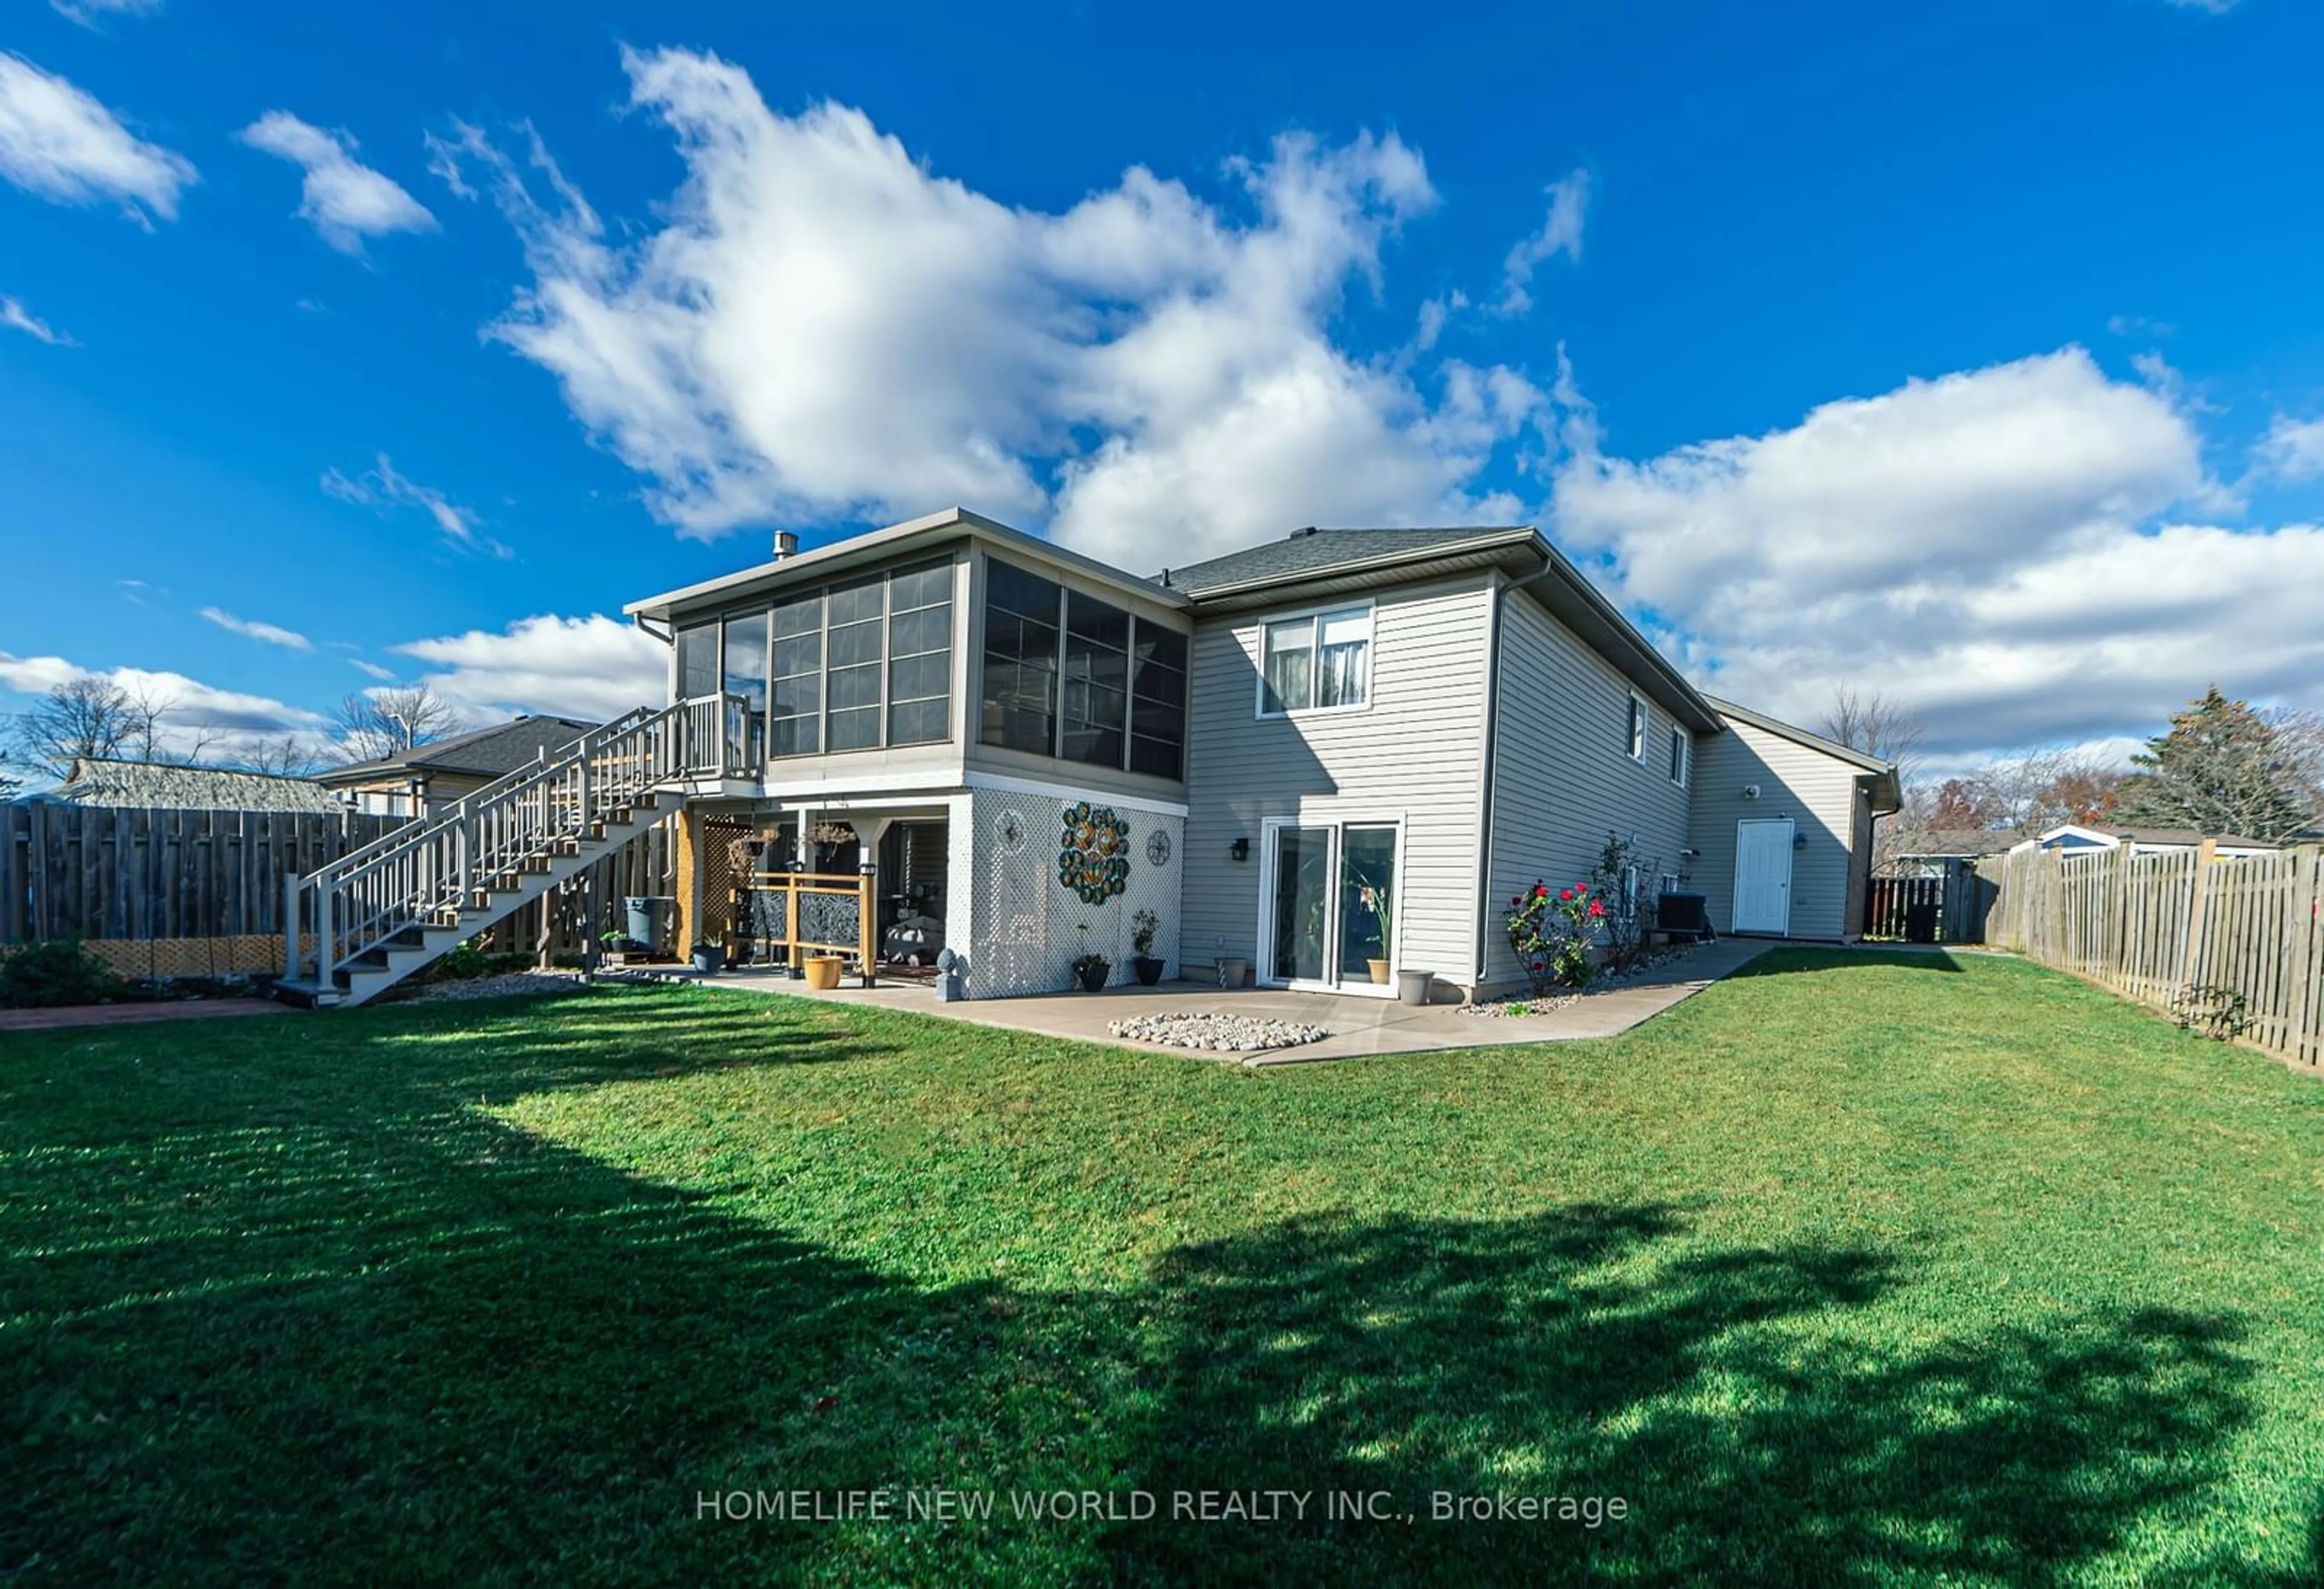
x=1359, y=1025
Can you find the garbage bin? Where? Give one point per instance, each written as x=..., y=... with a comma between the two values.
x=650, y=915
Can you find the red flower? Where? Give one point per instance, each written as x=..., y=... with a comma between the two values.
x=1565, y=894
x=1541, y=891
x=1597, y=907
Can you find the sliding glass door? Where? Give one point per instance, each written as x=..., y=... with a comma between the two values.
x=1329, y=905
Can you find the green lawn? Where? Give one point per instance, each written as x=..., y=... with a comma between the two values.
x=1855, y=1269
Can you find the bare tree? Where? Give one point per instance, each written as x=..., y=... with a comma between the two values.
x=2300, y=735
x=1875, y=724
x=374, y=725
x=88, y=717
x=284, y=756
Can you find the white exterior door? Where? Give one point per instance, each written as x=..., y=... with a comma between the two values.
x=1763, y=876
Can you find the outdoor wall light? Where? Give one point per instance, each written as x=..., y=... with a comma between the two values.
x=1799, y=841
x=1239, y=850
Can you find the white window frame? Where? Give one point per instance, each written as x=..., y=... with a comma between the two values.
x=1327, y=813
x=1313, y=617
x=1681, y=745
x=1641, y=727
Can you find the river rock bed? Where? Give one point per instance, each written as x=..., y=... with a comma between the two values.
x=1228, y=1035
x=507, y=987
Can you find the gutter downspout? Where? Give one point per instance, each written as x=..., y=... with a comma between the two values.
x=1485, y=802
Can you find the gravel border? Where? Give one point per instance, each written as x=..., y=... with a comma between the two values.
x=513, y=984
x=1214, y=1034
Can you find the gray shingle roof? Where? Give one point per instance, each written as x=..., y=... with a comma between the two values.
x=502, y=749
x=96, y=782
x=1320, y=551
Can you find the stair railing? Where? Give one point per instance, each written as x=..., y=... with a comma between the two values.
x=431, y=869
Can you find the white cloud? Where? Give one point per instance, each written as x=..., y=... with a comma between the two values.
x=2216, y=7
x=372, y=670
x=2293, y=449
x=819, y=327
x=59, y=142
x=346, y=200
x=2139, y=325
x=15, y=317
x=1993, y=547
x=220, y=723
x=1560, y=234
x=594, y=667
x=91, y=13
x=273, y=634
x=383, y=487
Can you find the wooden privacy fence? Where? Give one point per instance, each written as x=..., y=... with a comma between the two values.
x=2234, y=942
x=159, y=891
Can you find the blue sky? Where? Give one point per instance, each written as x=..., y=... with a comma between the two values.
x=1966, y=351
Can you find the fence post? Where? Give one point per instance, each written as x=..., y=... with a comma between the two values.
x=290, y=924
x=2198, y=900
x=867, y=915
x=792, y=917
x=2302, y=902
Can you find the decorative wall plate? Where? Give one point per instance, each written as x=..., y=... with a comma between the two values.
x=1157, y=848
x=1010, y=829
x=1093, y=852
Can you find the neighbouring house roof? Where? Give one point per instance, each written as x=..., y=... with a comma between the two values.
x=1939, y=843
x=94, y=781
x=2165, y=838
x=885, y=546
x=485, y=752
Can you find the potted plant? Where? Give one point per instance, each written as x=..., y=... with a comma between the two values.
x=616, y=947
x=1143, y=926
x=1376, y=892
x=1090, y=969
x=823, y=972
x=709, y=959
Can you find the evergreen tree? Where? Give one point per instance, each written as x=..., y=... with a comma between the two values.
x=2219, y=770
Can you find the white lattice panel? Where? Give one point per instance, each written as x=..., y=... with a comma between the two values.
x=1026, y=927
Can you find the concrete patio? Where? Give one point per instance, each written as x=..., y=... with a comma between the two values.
x=1359, y=1026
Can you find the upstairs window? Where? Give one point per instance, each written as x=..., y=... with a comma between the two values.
x=1096, y=681
x=1682, y=753
x=1158, y=703
x=1638, y=730
x=1322, y=659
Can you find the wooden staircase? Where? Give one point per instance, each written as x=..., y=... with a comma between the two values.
x=375, y=915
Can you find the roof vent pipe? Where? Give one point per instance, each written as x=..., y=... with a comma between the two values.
x=785, y=544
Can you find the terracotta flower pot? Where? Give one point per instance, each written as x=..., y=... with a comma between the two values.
x=823, y=972
x=1378, y=968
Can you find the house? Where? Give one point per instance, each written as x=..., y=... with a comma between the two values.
x=1933, y=847
x=1336, y=754
x=2075, y=838
x=1319, y=762
x=97, y=781
x=427, y=779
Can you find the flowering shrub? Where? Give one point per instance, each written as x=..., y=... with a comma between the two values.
x=1552, y=934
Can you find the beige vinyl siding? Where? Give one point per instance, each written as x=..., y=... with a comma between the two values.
x=1416, y=749
x=1816, y=791
x=1562, y=773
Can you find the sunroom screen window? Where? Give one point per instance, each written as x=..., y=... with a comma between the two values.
x=1096, y=680
x=919, y=655
x=1020, y=708
x=795, y=708
x=1158, y=703
x=697, y=662
x=746, y=658
x=853, y=655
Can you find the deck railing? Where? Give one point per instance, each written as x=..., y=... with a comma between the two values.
x=427, y=872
